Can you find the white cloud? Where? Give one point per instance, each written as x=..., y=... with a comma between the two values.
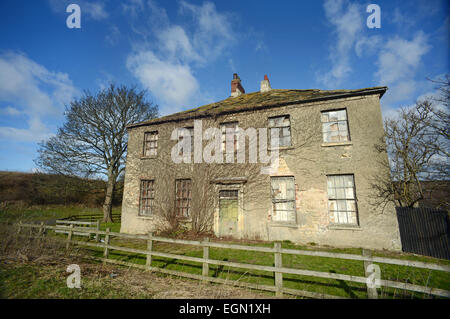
x=33, y=91
x=348, y=22
x=171, y=82
x=397, y=64
x=35, y=132
x=167, y=55
x=96, y=10
x=368, y=45
x=11, y=111
x=114, y=35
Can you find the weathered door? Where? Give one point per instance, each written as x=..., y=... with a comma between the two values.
x=228, y=212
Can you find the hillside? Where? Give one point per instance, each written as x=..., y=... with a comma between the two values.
x=52, y=189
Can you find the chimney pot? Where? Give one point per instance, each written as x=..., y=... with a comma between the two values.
x=236, y=86
x=265, y=84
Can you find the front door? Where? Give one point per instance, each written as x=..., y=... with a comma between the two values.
x=228, y=212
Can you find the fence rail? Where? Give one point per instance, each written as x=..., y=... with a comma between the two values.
x=87, y=226
x=277, y=269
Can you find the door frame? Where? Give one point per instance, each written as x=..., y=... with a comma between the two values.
x=240, y=221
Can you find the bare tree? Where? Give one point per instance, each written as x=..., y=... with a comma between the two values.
x=93, y=140
x=417, y=147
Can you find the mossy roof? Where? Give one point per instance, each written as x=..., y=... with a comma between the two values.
x=258, y=100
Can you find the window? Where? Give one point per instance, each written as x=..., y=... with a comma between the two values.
x=283, y=199
x=234, y=126
x=342, y=199
x=147, y=197
x=335, y=126
x=283, y=124
x=183, y=196
x=181, y=135
x=150, y=143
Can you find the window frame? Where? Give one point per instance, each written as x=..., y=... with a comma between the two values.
x=336, y=212
x=182, y=198
x=149, y=141
x=275, y=201
x=224, y=136
x=337, y=122
x=150, y=198
x=288, y=116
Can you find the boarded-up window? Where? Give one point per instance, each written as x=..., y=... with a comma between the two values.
x=335, y=126
x=150, y=143
x=233, y=128
x=283, y=199
x=183, y=196
x=281, y=127
x=147, y=197
x=342, y=199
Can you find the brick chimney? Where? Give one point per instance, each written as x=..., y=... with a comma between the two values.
x=265, y=85
x=236, y=87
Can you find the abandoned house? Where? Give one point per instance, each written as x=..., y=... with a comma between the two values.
x=319, y=191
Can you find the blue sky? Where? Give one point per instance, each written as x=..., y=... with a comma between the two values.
x=185, y=52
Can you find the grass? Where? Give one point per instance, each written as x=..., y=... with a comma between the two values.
x=423, y=277
x=417, y=276
x=49, y=212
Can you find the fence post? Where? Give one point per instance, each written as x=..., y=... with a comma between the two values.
x=97, y=235
x=41, y=229
x=278, y=275
x=205, y=269
x=371, y=292
x=106, y=252
x=148, y=262
x=69, y=236
x=19, y=227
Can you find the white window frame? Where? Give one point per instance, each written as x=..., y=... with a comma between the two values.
x=284, y=216
x=342, y=202
x=282, y=126
x=335, y=121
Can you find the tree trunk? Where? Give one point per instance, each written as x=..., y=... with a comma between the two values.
x=107, y=205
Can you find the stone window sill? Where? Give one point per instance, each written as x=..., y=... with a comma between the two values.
x=148, y=157
x=279, y=224
x=145, y=217
x=330, y=144
x=282, y=148
x=345, y=227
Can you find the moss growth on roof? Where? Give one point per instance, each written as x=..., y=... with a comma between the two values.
x=249, y=101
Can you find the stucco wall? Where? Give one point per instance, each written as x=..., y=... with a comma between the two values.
x=309, y=161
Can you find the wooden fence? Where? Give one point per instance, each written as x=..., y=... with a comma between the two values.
x=87, y=225
x=277, y=269
x=91, y=217
x=424, y=231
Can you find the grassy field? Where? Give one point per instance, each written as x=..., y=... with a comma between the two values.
x=50, y=212
x=411, y=275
